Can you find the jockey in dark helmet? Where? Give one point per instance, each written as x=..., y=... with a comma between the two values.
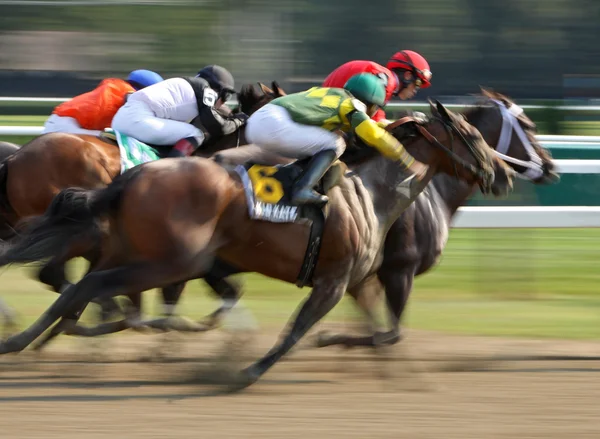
x=163, y=114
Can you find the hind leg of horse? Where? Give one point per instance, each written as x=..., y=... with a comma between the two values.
x=9, y=319
x=127, y=279
x=322, y=299
x=53, y=274
x=229, y=292
x=54, y=271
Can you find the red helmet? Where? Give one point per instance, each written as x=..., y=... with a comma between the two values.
x=413, y=62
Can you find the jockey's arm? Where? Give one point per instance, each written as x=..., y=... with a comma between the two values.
x=373, y=135
x=216, y=124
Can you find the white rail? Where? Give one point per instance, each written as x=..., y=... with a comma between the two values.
x=390, y=105
x=548, y=140
x=507, y=217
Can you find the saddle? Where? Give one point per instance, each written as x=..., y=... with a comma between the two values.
x=268, y=190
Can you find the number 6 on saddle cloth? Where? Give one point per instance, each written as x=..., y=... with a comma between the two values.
x=268, y=192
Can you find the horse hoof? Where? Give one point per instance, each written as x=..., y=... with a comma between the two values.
x=8, y=346
x=323, y=339
x=247, y=377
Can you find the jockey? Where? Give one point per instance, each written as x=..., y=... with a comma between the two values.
x=404, y=74
x=163, y=114
x=92, y=112
x=304, y=124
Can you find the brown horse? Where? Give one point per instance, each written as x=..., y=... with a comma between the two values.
x=416, y=241
x=196, y=210
x=420, y=242
x=60, y=160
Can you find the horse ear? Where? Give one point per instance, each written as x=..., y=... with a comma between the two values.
x=433, y=108
x=266, y=90
x=278, y=90
x=486, y=92
x=443, y=111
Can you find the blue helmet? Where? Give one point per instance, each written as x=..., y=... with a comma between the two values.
x=143, y=78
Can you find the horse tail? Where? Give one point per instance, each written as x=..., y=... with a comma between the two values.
x=74, y=217
x=5, y=206
x=7, y=213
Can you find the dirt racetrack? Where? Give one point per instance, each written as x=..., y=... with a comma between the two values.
x=433, y=386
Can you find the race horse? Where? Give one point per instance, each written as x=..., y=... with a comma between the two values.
x=417, y=239
x=414, y=244
x=32, y=175
x=197, y=210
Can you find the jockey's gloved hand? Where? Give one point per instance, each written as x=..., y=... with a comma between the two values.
x=421, y=118
x=242, y=117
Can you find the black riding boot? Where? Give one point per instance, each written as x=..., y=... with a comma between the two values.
x=303, y=188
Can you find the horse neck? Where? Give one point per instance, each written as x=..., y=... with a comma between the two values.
x=392, y=190
x=452, y=192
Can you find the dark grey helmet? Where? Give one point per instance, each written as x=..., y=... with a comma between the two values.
x=219, y=78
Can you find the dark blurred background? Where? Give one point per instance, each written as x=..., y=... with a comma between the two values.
x=533, y=49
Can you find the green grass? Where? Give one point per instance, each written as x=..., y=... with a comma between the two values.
x=537, y=283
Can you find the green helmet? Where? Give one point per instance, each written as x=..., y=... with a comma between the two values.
x=367, y=88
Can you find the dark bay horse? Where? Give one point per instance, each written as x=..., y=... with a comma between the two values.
x=417, y=239
x=208, y=218
x=32, y=175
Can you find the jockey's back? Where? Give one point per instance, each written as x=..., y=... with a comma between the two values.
x=325, y=107
x=95, y=109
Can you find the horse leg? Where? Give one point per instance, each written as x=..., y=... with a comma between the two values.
x=366, y=295
x=54, y=274
x=123, y=280
x=9, y=317
x=398, y=285
x=322, y=299
x=228, y=291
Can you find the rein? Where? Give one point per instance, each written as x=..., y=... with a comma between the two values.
x=477, y=171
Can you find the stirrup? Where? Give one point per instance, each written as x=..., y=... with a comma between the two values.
x=309, y=196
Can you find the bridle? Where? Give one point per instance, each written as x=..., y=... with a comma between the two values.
x=481, y=171
x=510, y=123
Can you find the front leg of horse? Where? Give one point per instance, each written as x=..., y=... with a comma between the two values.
x=397, y=284
x=322, y=299
x=366, y=295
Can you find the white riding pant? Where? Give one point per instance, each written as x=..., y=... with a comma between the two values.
x=137, y=120
x=63, y=124
x=272, y=128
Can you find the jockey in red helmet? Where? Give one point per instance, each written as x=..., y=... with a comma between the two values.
x=412, y=71
x=405, y=73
